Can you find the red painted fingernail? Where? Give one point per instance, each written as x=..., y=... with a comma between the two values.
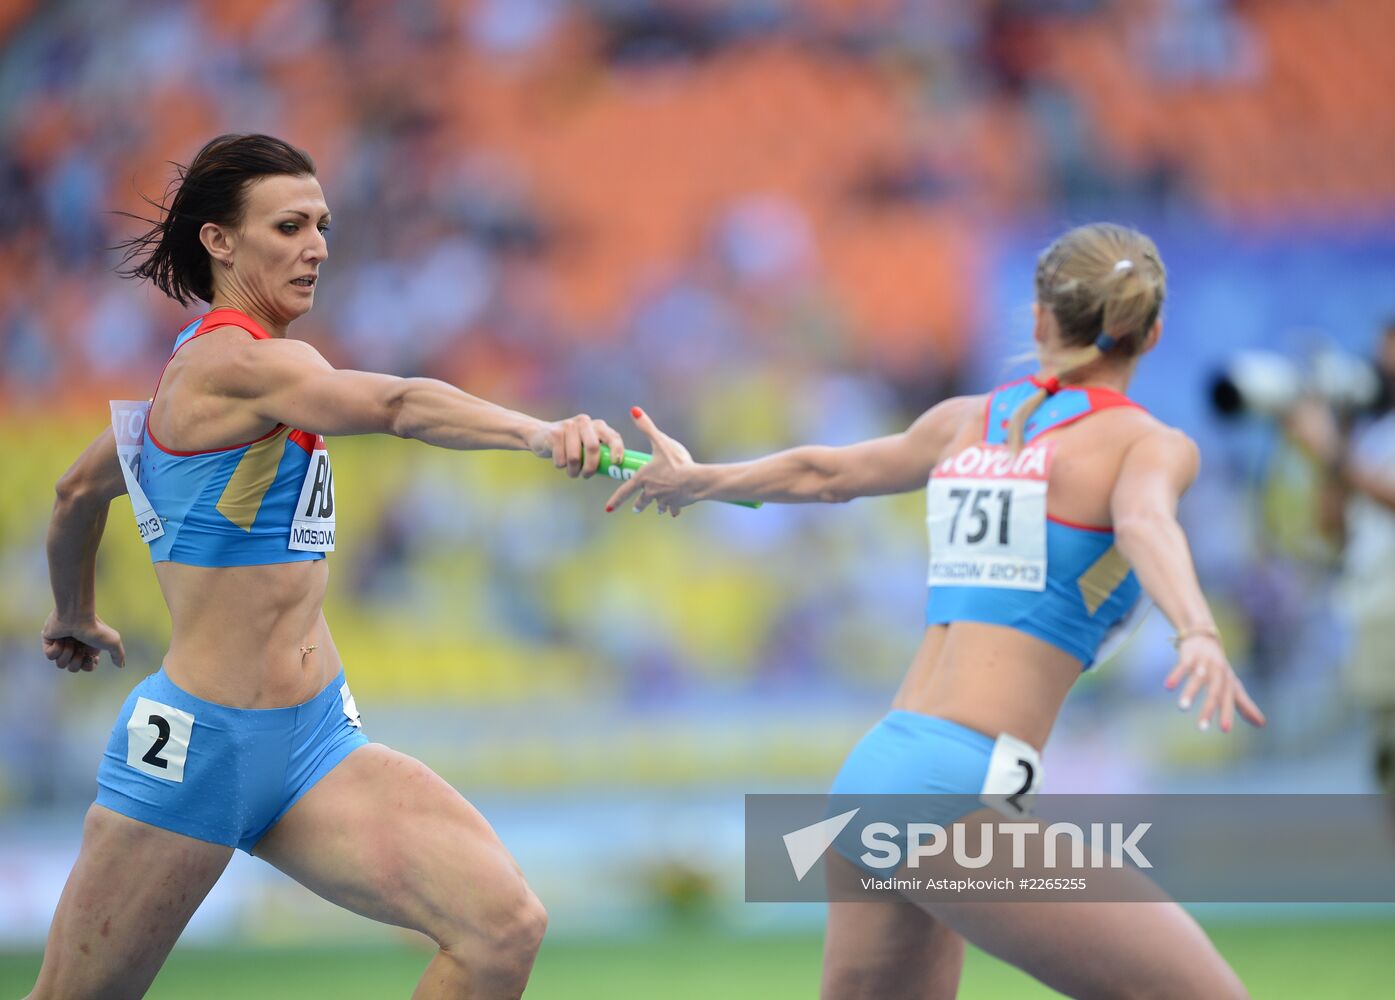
x=636, y=412
x=609, y=509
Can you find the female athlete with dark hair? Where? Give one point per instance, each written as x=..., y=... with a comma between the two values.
x=248, y=737
x=1050, y=501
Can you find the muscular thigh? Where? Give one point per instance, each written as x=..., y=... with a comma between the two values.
x=886, y=949
x=1117, y=951
x=131, y=892
x=383, y=835
x=1148, y=947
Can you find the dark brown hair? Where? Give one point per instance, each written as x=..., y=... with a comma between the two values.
x=1105, y=286
x=213, y=188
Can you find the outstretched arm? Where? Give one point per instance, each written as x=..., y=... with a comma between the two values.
x=1157, y=470
x=73, y=636
x=897, y=463
x=288, y=381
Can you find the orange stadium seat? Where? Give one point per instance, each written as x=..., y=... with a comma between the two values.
x=1235, y=139
x=13, y=13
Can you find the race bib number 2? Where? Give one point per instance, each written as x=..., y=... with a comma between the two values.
x=128, y=417
x=157, y=739
x=1014, y=777
x=987, y=518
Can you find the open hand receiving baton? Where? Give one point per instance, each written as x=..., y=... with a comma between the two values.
x=666, y=478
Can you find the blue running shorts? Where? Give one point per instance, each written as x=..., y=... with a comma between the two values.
x=220, y=774
x=915, y=768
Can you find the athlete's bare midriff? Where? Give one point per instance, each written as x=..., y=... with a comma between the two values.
x=249, y=636
x=996, y=679
x=242, y=636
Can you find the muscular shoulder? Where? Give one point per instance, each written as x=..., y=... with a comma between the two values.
x=945, y=422
x=237, y=365
x=952, y=416
x=1132, y=425
x=1157, y=447
x=966, y=410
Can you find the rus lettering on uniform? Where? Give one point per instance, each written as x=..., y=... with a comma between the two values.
x=322, y=494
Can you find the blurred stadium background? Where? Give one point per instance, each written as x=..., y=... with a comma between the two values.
x=769, y=222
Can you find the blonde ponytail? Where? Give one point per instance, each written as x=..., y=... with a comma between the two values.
x=1017, y=424
x=1104, y=285
x=1130, y=303
x=1047, y=386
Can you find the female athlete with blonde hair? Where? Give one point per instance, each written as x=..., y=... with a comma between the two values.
x=1050, y=501
x=247, y=737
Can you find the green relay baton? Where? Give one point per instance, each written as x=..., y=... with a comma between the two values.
x=634, y=461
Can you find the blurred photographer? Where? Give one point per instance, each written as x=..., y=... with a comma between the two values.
x=1356, y=455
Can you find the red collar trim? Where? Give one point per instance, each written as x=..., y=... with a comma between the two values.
x=228, y=316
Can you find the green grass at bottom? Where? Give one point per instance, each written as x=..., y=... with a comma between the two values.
x=1335, y=960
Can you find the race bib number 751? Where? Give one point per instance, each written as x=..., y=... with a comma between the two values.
x=987, y=518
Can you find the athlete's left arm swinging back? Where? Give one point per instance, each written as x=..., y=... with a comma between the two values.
x=1156, y=471
x=74, y=636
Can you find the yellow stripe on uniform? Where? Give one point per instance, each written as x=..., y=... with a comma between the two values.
x=255, y=473
x=1102, y=579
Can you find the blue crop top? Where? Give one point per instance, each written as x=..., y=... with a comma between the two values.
x=270, y=500
x=997, y=557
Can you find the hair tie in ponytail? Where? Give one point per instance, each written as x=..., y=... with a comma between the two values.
x=1049, y=385
x=1106, y=343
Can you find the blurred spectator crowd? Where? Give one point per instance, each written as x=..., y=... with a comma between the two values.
x=768, y=222
x=523, y=187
